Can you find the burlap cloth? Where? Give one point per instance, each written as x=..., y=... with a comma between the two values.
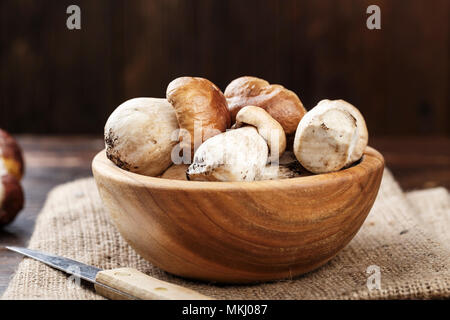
x=406, y=235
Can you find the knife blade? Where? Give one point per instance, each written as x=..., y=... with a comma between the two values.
x=118, y=284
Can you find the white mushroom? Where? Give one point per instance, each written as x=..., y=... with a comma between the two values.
x=330, y=137
x=359, y=145
x=138, y=135
x=242, y=154
x=236, y=155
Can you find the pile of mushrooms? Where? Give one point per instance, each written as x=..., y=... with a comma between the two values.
x=244, y=134
x=11, y=172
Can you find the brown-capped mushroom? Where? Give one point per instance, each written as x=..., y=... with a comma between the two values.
x=201, y=110
x=282, y=104
x=11, y=155
x=330, y=137
x=11, y=198
x=138, y=135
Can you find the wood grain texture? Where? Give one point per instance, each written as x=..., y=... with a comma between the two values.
x=141, y=286
x=239, y=232
x=176, y=172
x=54, y=80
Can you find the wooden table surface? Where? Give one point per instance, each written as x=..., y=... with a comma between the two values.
x=416, y=162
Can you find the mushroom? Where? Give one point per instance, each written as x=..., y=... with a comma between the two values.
x=11, y=171
x=282, y=104
x=138, y=135
x=363, y=135
x=241, y=154
x=11, y=197
x=288, y=167
x=267, y=127
x=176, y=172
x=201, y=110
x=11, y=155
x=330, y=136
x=236, y=155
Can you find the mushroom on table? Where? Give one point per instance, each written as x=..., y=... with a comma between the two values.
x=11, y=172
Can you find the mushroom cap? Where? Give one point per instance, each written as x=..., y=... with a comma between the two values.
x=199, y=105
x=11, y=198
x=11, y=155
x=236, y=155
x=282, y=104
x=138, y=135
x=363, y=135
x=325, y=138
x=267, y=127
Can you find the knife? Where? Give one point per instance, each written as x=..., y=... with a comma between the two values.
x=117, y=284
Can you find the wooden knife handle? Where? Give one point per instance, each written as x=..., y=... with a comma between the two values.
x=137, y=285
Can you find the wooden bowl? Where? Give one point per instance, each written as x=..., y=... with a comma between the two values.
x=239, y=232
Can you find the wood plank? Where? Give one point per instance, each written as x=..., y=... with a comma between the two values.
x=53, y=80
x=416, y=162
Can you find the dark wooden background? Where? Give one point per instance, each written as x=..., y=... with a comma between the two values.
x=57, y=81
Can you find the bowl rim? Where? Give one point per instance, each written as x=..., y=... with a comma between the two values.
x=371, y=161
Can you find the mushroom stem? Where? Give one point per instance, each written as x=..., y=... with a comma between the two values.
x=267, y=127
